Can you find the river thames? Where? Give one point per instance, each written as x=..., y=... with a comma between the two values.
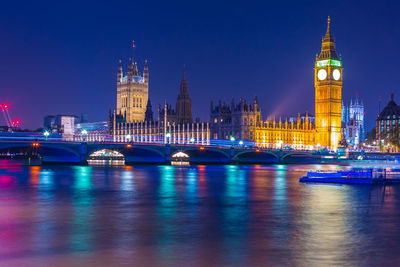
x=192, y=216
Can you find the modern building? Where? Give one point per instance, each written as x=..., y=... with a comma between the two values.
x=132, y=92
x=353, y=131
x=237, y=120
x=302, y=132
x=63, y=124
x=388, y=126
x=92, y=131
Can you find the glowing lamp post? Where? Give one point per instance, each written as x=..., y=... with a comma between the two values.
x=46, y=134
x=281, y=144
x=232, y=140
x=128, y=137
x=192, y=140
x=168, y=135
x=241, y=142
x=84, y=134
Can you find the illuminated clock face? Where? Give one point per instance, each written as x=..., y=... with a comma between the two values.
x=336, y=74
x=322, y=74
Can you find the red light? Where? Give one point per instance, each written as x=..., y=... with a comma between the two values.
x=5, y=106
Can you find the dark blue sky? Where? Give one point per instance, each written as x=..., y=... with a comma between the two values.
x=61, y=57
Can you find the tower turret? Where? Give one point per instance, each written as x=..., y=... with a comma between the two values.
x=328, y=93
x=119, y=73
x=135, y=69
x=132, y=93
x=149, y=111
x=184, y=103
x=146, y=72
x=130, y=70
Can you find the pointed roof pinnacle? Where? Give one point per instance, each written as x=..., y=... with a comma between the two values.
x=328, y=49
x=328, y=35
x=184, y=73
x=184, y=89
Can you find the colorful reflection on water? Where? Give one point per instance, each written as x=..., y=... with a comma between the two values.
x=199, y=215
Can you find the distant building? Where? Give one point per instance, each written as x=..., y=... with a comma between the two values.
x=132, y=92
x=298, y=133
x=324, y=130
x=353, y=131
x=172, y=126
x=237, y=120
x=63, y=124
x=149, y=112
x=94, y=131
x=388, y=126
x=184, y=103
x=164, y=130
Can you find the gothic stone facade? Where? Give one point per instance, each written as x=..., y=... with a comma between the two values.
x=132, y=92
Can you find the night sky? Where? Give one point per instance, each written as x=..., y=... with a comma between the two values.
x=61, y=57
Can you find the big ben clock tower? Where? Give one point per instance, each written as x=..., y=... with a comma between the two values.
x=328, y=93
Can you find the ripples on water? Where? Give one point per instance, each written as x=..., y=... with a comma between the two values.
x=192, y=216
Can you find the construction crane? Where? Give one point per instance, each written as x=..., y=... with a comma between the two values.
x=6, y=114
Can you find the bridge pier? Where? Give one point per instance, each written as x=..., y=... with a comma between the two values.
x=83, y=153
x=167, y=156
x=280, y=156
x=232, y=155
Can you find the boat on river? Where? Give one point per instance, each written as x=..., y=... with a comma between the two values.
x=354, y=176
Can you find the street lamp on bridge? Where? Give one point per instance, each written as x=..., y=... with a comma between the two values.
x=46, y=134
x=84, y=134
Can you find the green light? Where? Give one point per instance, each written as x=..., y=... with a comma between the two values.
x=336, y=63
x=322, y=63
x=328, y=62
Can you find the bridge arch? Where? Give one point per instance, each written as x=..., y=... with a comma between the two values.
x=256, y=156
x=204, y=154
x=295, y=156
x=132, y=153
x=49, y=152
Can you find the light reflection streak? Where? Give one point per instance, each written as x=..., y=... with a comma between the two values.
x=166, y=212
x=81, y=235
x=235, y=213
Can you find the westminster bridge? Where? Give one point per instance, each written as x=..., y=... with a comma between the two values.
x=73, y=152
x=58, y=151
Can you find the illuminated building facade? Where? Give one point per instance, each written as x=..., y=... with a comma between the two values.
x=388, y=126
x=302, y=132
x=328, y=93
x=164, y=130
x=132, y=92
x=238, y=120
x=353, y=131
x=298, y=134
x=133, y=118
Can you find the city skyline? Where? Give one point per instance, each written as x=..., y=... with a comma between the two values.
x=82, y=69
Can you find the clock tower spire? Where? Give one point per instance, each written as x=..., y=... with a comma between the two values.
x=328, y=93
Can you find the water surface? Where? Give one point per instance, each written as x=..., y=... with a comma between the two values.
x=192, y=216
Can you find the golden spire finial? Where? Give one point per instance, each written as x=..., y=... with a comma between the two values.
x=328, y=29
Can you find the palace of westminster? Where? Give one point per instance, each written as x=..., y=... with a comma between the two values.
x=332, y=125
